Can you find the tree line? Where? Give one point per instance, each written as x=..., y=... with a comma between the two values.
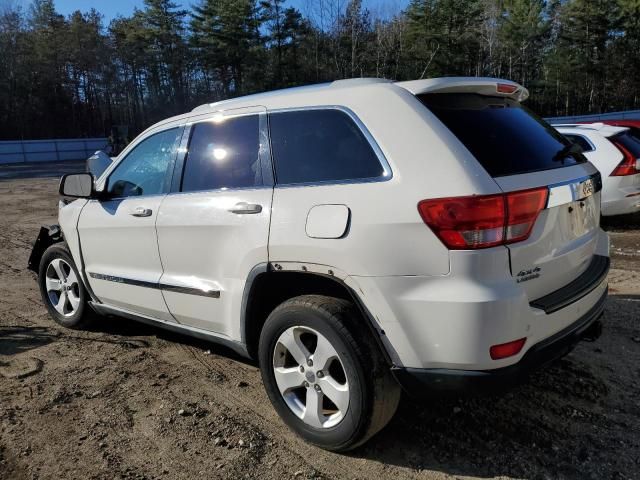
x=75, y=76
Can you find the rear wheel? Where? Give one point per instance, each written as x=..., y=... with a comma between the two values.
x=62, y=289
x=331, y=389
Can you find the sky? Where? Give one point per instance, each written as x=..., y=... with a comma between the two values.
x=112, y=8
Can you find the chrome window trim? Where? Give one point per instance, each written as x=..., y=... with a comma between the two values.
x=387, y=172
x=219, y=190
x=156, y=285
x=120, y=199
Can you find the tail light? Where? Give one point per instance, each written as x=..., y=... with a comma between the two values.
x=483, y=221
x=628, y=164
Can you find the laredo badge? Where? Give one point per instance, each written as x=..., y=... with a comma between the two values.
x=526, y=275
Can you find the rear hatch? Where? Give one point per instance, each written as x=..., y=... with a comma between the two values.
x=521, y=151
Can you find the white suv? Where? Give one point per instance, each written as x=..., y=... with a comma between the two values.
x=353, y=237
x=615, y=152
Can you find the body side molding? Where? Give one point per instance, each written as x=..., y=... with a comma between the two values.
x=156, y=285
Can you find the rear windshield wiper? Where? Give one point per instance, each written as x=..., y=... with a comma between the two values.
x=565, y=151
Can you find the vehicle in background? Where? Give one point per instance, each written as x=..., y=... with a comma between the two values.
x=98, y=163
x=633, y=125
x=615, y=152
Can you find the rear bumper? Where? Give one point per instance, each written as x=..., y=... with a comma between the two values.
x=419, y=382
x=451, y=321
x=625, y=201
x=593, y=276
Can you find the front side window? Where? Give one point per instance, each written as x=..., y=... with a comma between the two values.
x=223, y=154
x=321, y=145
x=145, y=170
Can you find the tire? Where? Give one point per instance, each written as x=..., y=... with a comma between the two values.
x=355, y=389
x=73, y=311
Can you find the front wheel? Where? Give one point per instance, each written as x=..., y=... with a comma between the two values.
x=62, y=289
x=324, y=374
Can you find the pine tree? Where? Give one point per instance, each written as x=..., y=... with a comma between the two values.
x=224, y=34
x=166, y=50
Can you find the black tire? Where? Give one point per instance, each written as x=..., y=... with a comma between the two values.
x=373, y=392
x=82, y=316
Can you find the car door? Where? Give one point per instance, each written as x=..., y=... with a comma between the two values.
x=117, y=232
x=213, y=227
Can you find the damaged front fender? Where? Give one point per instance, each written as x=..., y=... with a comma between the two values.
x=48, y=236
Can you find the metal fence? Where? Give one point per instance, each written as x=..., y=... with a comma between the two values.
x=49, y=150
x=598, y=117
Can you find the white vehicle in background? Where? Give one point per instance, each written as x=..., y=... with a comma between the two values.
x=354, y=238
x=615, y=152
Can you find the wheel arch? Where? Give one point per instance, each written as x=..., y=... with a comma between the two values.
x=48, y=235
x=270, y=285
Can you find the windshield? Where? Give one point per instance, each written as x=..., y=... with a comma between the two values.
x=505, y=137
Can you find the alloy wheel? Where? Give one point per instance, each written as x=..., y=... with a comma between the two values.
x=62, y=287
x=311, y=377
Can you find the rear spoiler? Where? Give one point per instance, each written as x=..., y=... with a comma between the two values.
x=483, y=86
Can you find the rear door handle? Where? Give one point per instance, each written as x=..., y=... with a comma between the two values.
x=244, y=208
x=142, y=212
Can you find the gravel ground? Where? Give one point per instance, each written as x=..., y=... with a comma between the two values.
x=130, y=401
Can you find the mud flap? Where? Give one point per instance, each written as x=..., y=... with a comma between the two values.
x=47, y=237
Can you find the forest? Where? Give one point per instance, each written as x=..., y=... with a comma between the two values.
x=76, y=76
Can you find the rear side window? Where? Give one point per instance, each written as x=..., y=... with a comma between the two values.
x=223, y=155
x=322, y=145
x=505, y=137
x=579, y=140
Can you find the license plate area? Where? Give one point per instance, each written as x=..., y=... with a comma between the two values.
x=585, y=189
x=582, y=216
x=575, y=190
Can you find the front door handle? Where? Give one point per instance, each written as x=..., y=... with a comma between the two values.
x=142, y=212
x=244, y=208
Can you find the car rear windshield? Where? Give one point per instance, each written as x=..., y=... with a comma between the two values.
x=629, y=140
x=504, y=136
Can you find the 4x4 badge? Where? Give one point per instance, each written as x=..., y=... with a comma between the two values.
x=526, y=275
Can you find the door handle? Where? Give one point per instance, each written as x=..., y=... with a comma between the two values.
x=244, y=208
x=141, y=212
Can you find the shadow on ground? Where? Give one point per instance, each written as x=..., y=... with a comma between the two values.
x=122, y=327
x=559, y=424
x=19, y=339
x=555, y=425
x=621, y=222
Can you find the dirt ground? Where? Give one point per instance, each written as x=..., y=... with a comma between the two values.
x=131, y=401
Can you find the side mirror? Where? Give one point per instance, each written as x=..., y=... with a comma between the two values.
x=77, y=185
x=98, y=163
